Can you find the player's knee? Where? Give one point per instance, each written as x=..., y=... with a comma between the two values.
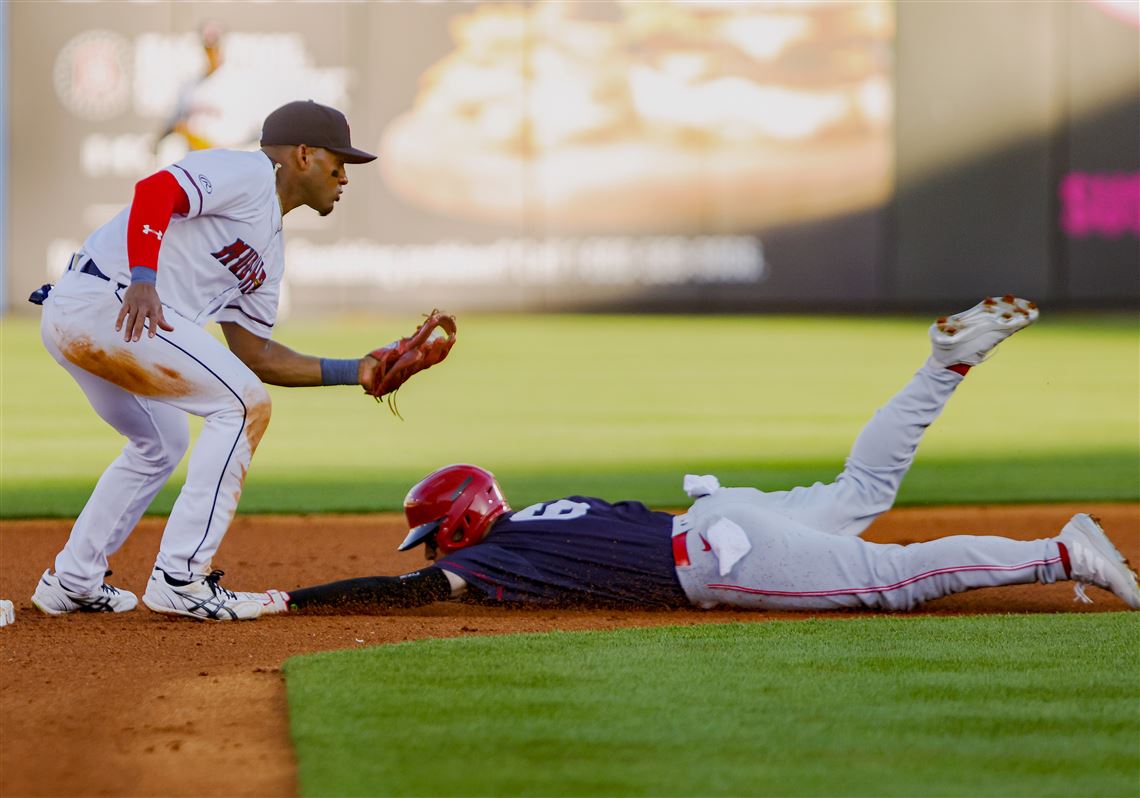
x=175, y=444
x=160, y=455
x=871, y=490
x=258, y=409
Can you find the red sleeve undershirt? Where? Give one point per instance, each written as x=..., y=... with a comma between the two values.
x=157, y=198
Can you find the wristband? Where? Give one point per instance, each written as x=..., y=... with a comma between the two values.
x=143, y=274
x=339, y=372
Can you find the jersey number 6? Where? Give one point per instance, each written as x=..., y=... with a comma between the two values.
x=561, y=510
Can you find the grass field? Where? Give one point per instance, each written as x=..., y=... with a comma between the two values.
x=623, y=406
x=987, y=706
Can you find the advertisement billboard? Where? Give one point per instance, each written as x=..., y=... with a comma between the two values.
x=543, y=155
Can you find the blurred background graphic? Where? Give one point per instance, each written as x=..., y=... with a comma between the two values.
x=613, y=155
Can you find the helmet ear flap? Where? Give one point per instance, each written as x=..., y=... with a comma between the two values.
x=460, y=530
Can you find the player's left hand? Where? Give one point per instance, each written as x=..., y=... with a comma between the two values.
x=384, y=370
x=140, y=303
x=366, y=373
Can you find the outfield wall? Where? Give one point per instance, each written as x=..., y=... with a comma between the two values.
x=1018, y=140
x=606, y=155
x=4, y=169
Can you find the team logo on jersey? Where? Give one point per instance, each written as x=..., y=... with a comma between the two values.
x=206, y=184
x=147, y=230
x=244, y=263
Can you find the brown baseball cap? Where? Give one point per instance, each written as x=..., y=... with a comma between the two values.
x=308, y=122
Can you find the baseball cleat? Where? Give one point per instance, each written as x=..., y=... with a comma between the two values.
x=1093, y=560
x=52, y=598
x=203, y=598
x=970, y=336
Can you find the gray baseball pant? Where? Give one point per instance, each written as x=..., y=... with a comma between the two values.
x=806, y=553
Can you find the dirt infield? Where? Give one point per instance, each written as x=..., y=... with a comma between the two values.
x=143, y=704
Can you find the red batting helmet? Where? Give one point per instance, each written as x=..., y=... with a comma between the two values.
x=452, y=508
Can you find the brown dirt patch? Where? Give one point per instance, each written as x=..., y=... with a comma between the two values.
x=142, y=704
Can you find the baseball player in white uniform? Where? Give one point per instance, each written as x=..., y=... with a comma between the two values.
x=202, y=241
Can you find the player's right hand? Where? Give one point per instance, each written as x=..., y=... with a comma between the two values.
x=140, y=303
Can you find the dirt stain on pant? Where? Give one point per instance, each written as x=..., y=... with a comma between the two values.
x=256, y=420
x=123, y=369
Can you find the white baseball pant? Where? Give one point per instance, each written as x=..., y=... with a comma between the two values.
x=145, y=389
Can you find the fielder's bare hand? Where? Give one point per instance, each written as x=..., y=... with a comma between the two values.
x=367, y=374
x=140, y=303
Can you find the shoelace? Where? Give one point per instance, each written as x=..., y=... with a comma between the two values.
x=1079, y=550
x=212, y=581
x=1082, y=596
x=114, y=591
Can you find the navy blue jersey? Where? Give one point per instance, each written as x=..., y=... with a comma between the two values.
x=577, y=550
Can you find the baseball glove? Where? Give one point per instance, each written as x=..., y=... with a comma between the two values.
x=399, y=360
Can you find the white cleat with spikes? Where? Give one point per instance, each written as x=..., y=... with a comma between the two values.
x=970, y=336
x=1093, y=560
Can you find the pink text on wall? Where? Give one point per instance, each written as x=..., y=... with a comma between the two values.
x=1105, y=205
